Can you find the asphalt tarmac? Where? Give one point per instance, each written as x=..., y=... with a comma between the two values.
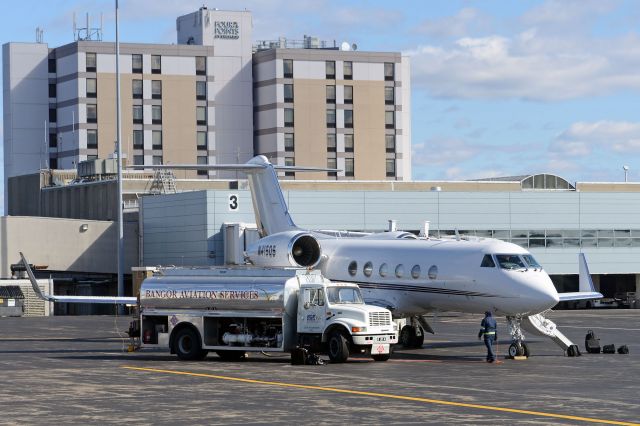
x=75, y=370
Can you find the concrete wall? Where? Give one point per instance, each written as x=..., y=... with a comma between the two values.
x=63, y=245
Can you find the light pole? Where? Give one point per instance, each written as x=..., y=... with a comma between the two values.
x=626, y=170
x=119, y=154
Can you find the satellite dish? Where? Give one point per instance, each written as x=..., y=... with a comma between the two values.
x=345, y=46
x=354, y=46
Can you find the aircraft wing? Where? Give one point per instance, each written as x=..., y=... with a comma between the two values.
x=586, y=289
x=112, y=300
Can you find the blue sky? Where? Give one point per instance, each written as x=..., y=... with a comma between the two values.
x=499, y=88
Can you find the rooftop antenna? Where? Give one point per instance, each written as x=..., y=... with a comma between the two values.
x=87, y=33
x=626, y=171
x=39, y=35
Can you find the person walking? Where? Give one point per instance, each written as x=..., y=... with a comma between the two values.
x=489, y=330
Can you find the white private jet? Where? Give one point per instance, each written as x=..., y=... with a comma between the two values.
x=411, y=276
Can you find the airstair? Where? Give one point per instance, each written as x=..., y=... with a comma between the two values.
x=539, y=324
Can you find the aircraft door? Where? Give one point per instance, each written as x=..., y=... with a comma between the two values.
x=311, y=312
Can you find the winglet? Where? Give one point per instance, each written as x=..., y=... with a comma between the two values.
x=34, y=282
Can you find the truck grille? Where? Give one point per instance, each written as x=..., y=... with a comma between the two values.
x=377, y=319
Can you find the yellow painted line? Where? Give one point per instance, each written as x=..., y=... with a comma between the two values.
x=384, y=395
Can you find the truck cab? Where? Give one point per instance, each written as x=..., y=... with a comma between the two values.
x=333, y=318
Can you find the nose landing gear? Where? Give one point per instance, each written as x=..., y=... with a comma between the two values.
x=518, y=347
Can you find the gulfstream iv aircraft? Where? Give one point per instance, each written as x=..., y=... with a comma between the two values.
x=411, y=276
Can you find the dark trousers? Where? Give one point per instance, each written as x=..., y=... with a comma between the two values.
x=488, y=342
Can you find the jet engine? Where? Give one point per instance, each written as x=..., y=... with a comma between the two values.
x=284, y=249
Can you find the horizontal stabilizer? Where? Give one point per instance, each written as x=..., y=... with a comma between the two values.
x=112, y=300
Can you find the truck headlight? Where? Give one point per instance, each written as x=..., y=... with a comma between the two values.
x=358, y=329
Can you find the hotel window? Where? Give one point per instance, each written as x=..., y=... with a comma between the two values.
x=92, y=139
x=389, y=120
x=156, y=89
x=201, y=116
x=201, y=141
x=92, y=113
x=348, y=143
x=156, y=114
x=348, y=119
x=287, y=67
x=389, y=95
x=348, y=167
x=202, y=160
x=288, y=92
x=331, y=94
x=390, y=143
x=289, y=144
x=137, y=114
x=389, y=71
x=136, y=89
x=53, y=115
x=52, y=65
x=156, y=64
x=92, y=88
x=53, y=140
x=157, y=160
x=138, y=160
x=331, y=142
x=332, y=164
x=156, y=139
x=136, y=64
x=331, y=118
x=201, y=65
x=348, y=70
x=391, y=168
x=53, y=163
x=348, y=95
x=138, y=139
x=90, y=65
x=288, y=117
x=330, y=68
x=52, y=90
x=289, y=161
x=201, y=90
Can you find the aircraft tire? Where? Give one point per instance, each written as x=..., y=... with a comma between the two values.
x=417, y=341
x=338, y=348
x=525, y=349
x=515, y=350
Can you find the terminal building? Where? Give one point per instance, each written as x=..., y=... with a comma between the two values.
x=216, y=97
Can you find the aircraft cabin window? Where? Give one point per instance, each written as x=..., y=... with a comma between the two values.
x=399, y=271
x=384, y=270
x=368, y=269
x=415, y=272
x=531, y=261
x=353, y=268
x=433, y=272
x=510, y=261
x=487, y=262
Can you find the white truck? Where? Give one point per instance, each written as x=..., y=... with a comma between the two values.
x=231, y=311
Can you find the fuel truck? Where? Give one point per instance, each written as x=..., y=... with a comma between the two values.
x=232, y=311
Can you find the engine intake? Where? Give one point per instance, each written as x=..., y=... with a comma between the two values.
x=285, y=249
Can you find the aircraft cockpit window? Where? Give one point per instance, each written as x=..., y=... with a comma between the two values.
x=510, y=261
x=487, y=262
x=353, y=268
x=531, y=261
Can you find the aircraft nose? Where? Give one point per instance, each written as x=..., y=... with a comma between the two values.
x=547, y=295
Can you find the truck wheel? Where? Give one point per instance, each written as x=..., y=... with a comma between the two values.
x=187, y=345
x=381, y=357
x=338, y=348
x=231, y=355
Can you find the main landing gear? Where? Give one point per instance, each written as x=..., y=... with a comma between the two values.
x=517, y=347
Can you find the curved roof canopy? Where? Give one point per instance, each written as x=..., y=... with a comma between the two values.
x=539, y=181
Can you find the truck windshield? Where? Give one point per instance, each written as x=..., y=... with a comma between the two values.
x=344, y=295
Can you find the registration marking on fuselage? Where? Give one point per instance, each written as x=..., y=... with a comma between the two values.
x=383, y=395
